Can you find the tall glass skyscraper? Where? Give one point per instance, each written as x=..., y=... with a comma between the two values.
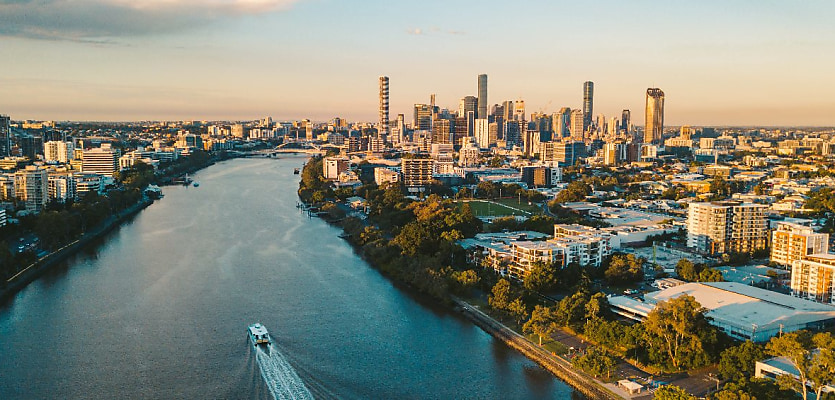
x=383, y=129
x=482, y=96
x=588, y=104
x=5, y=136
x=654, y=121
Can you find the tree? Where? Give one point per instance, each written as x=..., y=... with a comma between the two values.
x=518, y=310
x=542, y=323
x=571, y=311
x=597, y=306
x=624, y=268
x=738, y=362
x=500, y=298
x=815, y=368
x=596, y=362
x=710, y=275
x=679, y=328
x=672, y=392
x=542, y=277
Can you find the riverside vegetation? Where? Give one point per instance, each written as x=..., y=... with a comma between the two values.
x=415, y=243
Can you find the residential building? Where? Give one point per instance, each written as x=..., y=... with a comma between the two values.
x=61, y=187
x=469, y=154
x=384, y=175
x=578, y=132
x=86, y=183
x=58, y=151
x=791, y=242
x=102, y=160
x=588, y=104
x=482, y=97
x=417, y=172
x=654, y=113
x=333, y=166
x=727, y=227
x=813, y=278
x=383, y=128
x=32, y=187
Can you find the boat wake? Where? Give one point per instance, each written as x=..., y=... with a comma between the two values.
x=282, y=380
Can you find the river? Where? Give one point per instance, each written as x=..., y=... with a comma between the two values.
x=158, y=309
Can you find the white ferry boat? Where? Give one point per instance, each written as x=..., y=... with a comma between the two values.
x=258, y=335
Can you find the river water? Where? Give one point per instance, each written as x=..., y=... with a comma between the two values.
x=159, y=308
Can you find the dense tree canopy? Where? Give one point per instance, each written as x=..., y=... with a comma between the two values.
x=680, y=330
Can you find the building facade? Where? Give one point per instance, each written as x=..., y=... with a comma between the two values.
x=384, y=107
x=654, y=125
x=791, y=242
x=32, y=187
x=103, y=160
x=417, y=172
x=727, y=227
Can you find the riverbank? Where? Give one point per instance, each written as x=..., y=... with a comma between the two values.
x=556, y=365
x=45, y=263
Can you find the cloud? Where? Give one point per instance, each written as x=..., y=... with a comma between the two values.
x=96, y=20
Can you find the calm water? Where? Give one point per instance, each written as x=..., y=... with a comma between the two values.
x=159, y=310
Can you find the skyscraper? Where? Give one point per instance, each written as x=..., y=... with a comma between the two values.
x=562, y=123
x=588, y=104
x=577, y=131
x=654, y=122
x=384, y=107
x=625, y=120
x=5, y=136
x=482, y=96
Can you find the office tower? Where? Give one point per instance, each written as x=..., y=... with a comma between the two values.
x=507, y=110
x=482, y=96
x=600, y=123
x=563, y=153
x=31, y=186
x=588, y=103
x=612, y=127
x=614, y=153
x=512, y=133
x=519, y=110
x=102, y=161
x=466, y=105
x=625, y=120
x=401, y=126
x=423, y=117
x=483, y=136
x=30, y=146
x=562, y=123
x=5, y=136
x=686, y=132
x=577, y=131
x=727, y=227
x=61, y=152
x=442, y=131
x=791, y=242
x=654, y=122
x=383, y=130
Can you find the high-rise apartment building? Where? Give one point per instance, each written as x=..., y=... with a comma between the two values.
x=562, y=153
x=5, y=136
x=482, y=97
x=588, y=103
x=577, y=125
x=790, y=242
x=417, y=172
x=103, y=160
x=61, y=152
x=727, y=227
x=333, y=166
x=483, y=136
x=31, y=186
x=442, y=131
x=813, y=278
x=654, y=122
x=383, y=129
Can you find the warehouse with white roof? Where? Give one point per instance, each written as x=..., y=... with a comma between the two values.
x=741, y=311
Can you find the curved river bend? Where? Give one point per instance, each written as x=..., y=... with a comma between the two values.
x=159, y=310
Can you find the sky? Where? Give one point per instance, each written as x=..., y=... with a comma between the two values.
x=757, y=62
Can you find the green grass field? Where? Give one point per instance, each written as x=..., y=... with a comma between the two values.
x=484, y=208
x=533, y=208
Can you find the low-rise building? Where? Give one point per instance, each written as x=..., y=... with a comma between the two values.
x=741, y=311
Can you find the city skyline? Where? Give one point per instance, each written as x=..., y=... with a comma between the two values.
x=181, y=59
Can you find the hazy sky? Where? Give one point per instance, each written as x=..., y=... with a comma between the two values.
x=719, y=62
